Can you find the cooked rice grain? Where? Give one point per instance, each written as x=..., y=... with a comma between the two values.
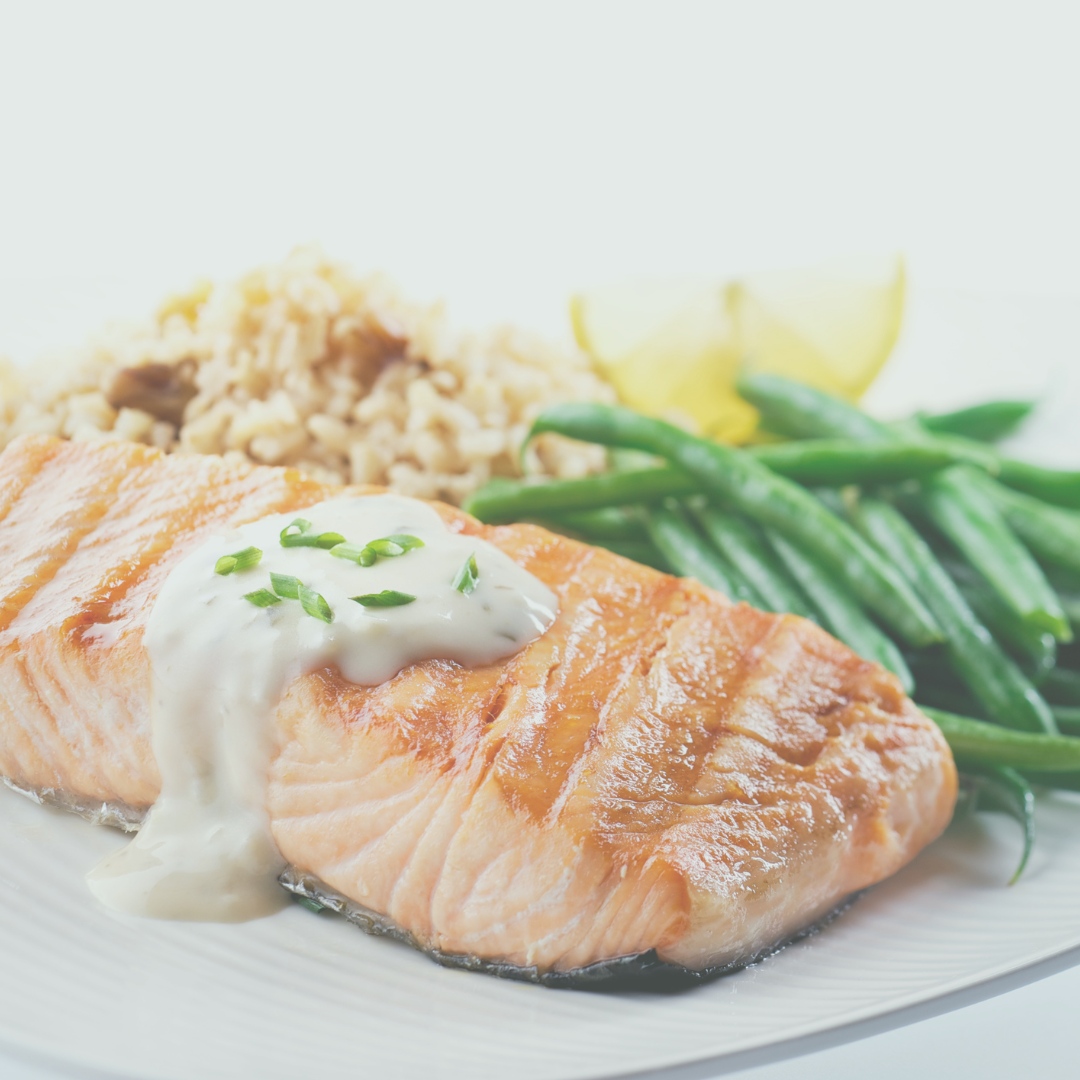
x=305, y=364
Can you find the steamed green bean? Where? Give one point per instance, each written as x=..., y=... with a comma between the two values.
x=745, y=549
x=604, y=523
x=1052, y=533
x=511, y=500
x=749, y=487
x=1035, y=647
x=960, y=508
x=999, y=787
x=1002, y=689
x=992, y=744
x=987, y=422
x=838, y=612
x=690, y=554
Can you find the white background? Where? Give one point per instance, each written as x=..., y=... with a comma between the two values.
x=504, y=155
x=501, y=155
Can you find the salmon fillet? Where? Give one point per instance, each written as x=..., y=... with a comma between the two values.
x=662, y=772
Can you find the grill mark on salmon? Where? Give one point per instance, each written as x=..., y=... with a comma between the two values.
x=662, y=775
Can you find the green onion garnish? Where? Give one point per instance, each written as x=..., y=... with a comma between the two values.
x=286, y=586
x=386, y=598
x=301, y=525
x=238, y=560
x=404, y=540
x=313, y=603
x=386, y=547
x=353, y=552
x=310, y=539
x=468, y=576
x=262, y=598
x=367, y=554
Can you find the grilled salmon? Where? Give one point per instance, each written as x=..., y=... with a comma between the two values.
x=662, y=774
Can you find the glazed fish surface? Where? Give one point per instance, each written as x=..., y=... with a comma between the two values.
x=663, y=780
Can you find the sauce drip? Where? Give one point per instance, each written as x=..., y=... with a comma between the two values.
x=220, y=665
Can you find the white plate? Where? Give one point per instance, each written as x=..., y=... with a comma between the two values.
x=300, y=994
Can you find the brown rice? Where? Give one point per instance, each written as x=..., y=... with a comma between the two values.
x=305, y=364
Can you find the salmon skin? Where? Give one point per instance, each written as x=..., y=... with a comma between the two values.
x=641, y=971
x=662, y=782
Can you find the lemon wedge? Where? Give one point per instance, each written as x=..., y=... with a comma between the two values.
x=668, y=349
x=675, y=350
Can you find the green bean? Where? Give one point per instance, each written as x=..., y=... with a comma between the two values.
x=1002, y=788
x=642, y=551
x=690, y=554
x=749, y=487
x=1056, y=486
x=990, y=744
x=965, y=514
x=1068, y=718
x=952, y=498
x=1036, y=647
x=988, y=422
x=1052, y=533
x=963, y=450
x=951, y=700
x=940, y=686
x=791, y=408
x=996, y=682
x=813, y=461
x=960, y=508
x=745, y=548
x=824, y=461
x=813, y=414
x=1070, y=604
x=846, y=461
x=1067, y=586
x=604, y=523
x=1067, y=781
x=510, y=500
x=839, y=612
x=1062, y=686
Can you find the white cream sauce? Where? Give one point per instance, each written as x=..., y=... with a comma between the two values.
x=220, y=665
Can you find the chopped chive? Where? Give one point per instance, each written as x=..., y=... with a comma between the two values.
x=386, y=598
x=386, y=547
x=313, y=603
x=286, y=586
x=353, y=552
x=406, y=541
x=309, y=539
x=310, y=904
x=468, y=576
x=301, y=525
x=262, y=598
x=238, y=560
x=367, y=557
